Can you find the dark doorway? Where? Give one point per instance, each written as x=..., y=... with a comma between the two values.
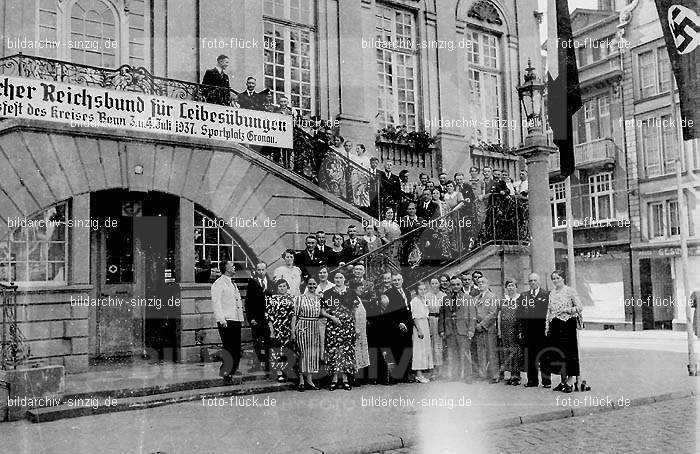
x=133, y=271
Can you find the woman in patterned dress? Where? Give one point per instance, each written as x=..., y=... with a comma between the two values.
x=306, y=333
x=289, y=272
x=560, y=326
x=433, y=300
x=323, y=285
x=338, y=306
x=278, y=313
x=422, y=348
x=512, y=357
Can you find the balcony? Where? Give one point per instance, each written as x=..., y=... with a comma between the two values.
x=404, y=155
x=597, y=153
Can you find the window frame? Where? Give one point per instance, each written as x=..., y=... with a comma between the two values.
x=494, y=72
x=650, y=89
x=8, y=263
x=595, y=194
x=287, y=31
x=388, y=102
x=557, y=197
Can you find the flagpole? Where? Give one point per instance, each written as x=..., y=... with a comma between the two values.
x=683, y=227
x=570, y=234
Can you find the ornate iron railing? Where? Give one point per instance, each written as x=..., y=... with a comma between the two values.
x=311, y=156
x=13, y=350
x=446, y=240
x=124, y=78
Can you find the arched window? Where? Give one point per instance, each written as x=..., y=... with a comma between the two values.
x=485, y=70
x=94, y=32
x=93, y=21
x=37, y=250
x=213, y=244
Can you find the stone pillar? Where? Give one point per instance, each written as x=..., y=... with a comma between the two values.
x=185, y=232
x=536, y=153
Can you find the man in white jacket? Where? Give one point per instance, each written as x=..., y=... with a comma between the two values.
x=228, y=312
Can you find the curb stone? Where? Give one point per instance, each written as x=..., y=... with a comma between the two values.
x=399, y=441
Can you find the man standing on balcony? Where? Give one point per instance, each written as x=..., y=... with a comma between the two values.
x=374, y=182
x=249, y=99
x=521, y=186
x=228, y=313
x=259, y=288
x=217, y=77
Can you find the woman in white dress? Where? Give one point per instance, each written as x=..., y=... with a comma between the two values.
x=373, y=241
x=434, y=299
x=289, y=272
x=359, y=177
x=422, y=348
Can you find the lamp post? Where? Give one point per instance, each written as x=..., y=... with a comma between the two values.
x=536, y=151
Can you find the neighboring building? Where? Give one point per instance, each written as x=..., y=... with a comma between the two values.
x=183, y=188
x=652, y=150
x=600, y=207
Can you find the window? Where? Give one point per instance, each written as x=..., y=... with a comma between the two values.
x=650, y=143
x=484, y=81
x=396, y=67
x=656, y=220
x=664, y=66
x=673, y=218
x=290, y=10
x=93, y=21
x=212, y=244
x=558, y=202
x=660, y=146
x=604, y=116
x=89, y=25
x=48, y=28
x=288, y=64
x=601, y=195
x=669, y=146
x=39, y=251
x=647, y=75
x=664, y=219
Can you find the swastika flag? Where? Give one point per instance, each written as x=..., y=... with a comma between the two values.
x=680, y=22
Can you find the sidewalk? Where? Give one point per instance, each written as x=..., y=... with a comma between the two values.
x=436, y=417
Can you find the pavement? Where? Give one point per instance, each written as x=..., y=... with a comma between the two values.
x=434, y=417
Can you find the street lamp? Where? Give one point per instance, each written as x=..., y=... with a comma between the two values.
x=535, y=150
x=531, y=93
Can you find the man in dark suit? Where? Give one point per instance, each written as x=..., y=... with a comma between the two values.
x=531, y=315
x=248, y=99
x=374, y=182
x=379, y=338
x=217, y=77
x=426, y=207
x=309, y=260
x=389, y=187
x=321, y=247
x=400, y=327
x=258, y=290
x=456, y=322
x=354, y=246
x=486, y=332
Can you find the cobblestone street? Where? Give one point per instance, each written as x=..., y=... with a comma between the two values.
x=669, y=426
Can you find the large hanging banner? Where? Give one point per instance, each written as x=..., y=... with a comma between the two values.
x=81, y=106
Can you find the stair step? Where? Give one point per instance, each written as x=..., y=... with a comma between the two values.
x=71, y=409
x=168, y=388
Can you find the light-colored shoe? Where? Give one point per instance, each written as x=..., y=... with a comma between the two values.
x=423, y=379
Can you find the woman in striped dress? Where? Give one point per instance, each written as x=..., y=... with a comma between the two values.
x=306, y=333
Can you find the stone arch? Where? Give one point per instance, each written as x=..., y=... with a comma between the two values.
x=485, y=8
x=41, y=166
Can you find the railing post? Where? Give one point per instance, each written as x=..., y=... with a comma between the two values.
x=4, y=322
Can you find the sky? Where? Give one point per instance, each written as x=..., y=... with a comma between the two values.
x=573, y=4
